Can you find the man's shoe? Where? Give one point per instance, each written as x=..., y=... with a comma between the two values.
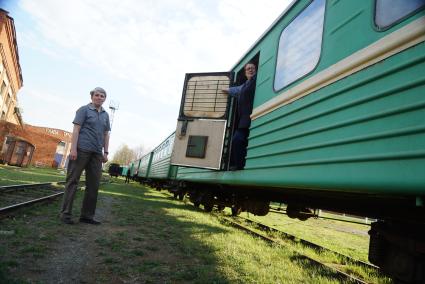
x=67, y=221
x=89, y=221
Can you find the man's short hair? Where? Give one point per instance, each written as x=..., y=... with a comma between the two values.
x=98, y=90
x=250, y=63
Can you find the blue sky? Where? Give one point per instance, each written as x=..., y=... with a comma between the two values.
x=138, y=50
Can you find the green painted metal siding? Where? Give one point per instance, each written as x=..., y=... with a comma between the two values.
x=366, y=131
x=173, y=172
x=160, y=166
x=363, y=133
x=124, y=171
x=144, y=166
x=131, y=168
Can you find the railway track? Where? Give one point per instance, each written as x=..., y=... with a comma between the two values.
x=282, y=211
x=13, y=197
x=344, y=268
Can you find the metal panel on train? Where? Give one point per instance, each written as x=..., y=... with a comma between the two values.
x=160, y=165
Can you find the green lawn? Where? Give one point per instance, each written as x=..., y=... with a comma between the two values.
x=146, y=237
x=347, y=238
x=10, y=175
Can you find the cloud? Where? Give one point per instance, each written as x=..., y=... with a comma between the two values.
x=148, y=46
x=145, y=41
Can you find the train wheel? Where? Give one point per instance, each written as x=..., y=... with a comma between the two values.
x=208, y=201
x=181, y=195
x=208, y=207
x=236, y=210
x=175, y=194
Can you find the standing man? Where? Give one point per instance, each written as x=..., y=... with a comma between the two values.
x=244, y=95
x=127, y=176
x=89, y=136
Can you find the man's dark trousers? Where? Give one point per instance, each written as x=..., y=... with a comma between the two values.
x=92, y=163
x=238, y=152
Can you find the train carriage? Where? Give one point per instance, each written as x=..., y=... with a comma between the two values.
x=160, y=169
x=124, y=171
x=338, y=123
x=114, y=170
x=133, y=167
x=144, y=167
x=130, y=168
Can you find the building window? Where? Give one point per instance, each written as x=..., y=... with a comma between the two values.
x=300, y=45
x=389, y=12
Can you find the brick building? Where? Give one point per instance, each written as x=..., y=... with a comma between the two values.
x=10, y=71
x=23, y=144
x=32, y=145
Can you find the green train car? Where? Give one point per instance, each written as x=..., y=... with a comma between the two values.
x=338, y=123
x=133, y=167
x=144, y=167
x=114, y=170
x=160, y=169
x=124, y=171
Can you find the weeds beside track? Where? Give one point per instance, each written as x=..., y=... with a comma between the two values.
x=340, y=264
x=13, y=197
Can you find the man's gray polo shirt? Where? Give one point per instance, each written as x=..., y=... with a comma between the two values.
x=93, y=124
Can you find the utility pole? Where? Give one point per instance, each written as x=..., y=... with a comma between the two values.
x=113, y=106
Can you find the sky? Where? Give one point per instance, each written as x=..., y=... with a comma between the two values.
x=137, y=50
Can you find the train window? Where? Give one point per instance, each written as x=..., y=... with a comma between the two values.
x=390, y=12
x=300, y=45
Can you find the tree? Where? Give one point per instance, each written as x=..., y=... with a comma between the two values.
x=140, y=151
x=124, y=155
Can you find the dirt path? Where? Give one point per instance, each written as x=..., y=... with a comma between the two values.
x=75, y=256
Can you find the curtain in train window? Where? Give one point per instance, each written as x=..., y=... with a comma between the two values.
x=389, y=12
x=300, y=45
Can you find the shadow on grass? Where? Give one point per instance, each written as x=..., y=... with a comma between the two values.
x=160, y=237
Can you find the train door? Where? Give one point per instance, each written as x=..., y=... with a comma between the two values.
x=202, y=123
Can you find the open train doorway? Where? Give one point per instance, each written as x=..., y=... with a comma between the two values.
x=242, y=93
x=207, y=117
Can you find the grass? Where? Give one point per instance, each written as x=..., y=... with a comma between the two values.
x=347, y=238
x=205, y=248
x=10, y=175
x=148, y=238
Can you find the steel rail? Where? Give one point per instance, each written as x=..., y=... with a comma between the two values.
x=30, y=202
x=337, y=271
x=311, y=244
x=5, y=188
x=283, y=212
x=16, y=188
